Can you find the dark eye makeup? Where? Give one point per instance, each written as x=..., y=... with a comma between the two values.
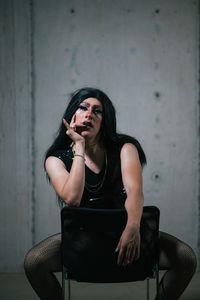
x=96, y=111
x=83, y=107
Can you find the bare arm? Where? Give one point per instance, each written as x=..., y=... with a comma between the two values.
x=129, y=244
x=69, y=186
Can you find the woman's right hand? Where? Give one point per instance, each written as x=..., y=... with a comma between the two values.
x=73, y=131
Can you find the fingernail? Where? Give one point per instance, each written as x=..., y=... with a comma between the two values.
x=116, y=250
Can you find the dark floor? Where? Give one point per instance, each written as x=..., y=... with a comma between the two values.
x=14, y=286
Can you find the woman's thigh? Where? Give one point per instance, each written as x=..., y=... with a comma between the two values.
x=174, y=253
x=45, y=254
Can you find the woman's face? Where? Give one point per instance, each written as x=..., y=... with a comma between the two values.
x=89, y=117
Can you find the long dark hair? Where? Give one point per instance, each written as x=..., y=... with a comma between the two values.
x=109, y=137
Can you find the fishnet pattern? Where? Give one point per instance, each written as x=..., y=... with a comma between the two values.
x=180, y=262
x=175, y=256
x=40, y=263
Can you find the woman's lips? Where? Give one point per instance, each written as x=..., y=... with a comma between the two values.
x=87, y=124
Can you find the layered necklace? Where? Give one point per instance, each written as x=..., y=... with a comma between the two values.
x=93, y=188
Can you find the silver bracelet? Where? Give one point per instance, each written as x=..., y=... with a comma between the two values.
x=80, y=156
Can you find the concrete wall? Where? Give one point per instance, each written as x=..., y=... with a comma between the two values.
x=15, y=134
x=144, y=54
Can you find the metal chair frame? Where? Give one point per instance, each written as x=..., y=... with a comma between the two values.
x=64, y=278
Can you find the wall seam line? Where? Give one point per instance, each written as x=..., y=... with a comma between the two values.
x=198, y=231
x=32, y=66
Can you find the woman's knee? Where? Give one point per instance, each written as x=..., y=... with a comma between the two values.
x=175, y=254
x=44, y=256
x=32, y=262
x=187, y=260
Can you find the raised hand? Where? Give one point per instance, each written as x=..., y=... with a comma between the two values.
x=73, y=130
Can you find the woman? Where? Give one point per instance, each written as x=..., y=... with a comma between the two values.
x=90, y=165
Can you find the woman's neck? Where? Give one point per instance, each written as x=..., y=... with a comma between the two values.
x=92, y=149
x=94, y=157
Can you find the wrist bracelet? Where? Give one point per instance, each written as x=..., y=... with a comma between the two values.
x=80, y=156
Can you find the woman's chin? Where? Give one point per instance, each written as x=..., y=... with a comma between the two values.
x=86, y=134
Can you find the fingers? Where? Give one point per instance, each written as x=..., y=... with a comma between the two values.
x=120, y=249
x=137, y=253
x=128, y=247
x=72, y=123
x=74, y=131
x=71, y=126
x=121, y=257
x=118, y=246
x=70, y=130
x=133, y=253
x=128, y=254
x=73, y=119
x=66, y=124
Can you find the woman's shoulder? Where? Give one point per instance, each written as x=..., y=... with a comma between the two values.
x=125, y=142
x=125, y=138
x=65, y=155
x=127, y=147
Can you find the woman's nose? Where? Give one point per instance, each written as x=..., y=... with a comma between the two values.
x=89, y=113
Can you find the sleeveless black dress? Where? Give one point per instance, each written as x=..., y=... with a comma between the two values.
x=112, y=193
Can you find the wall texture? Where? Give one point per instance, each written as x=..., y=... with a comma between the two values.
x=145, y=55
x=15, y=134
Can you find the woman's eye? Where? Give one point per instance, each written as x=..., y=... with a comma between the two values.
x=82, y=107
x=97, y=112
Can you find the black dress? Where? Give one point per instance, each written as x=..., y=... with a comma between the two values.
x=102, y=190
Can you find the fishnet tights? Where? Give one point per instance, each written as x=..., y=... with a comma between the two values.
x=40, y=263
x=175, y=256
x=180, y=262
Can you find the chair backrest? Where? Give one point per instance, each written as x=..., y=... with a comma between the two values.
x=89, y=240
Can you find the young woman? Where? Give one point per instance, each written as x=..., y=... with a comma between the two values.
x=90, y=165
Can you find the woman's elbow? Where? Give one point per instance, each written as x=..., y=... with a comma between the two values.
x=135, y=192
x=72, y=201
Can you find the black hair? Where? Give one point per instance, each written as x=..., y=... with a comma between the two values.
x=109, y=137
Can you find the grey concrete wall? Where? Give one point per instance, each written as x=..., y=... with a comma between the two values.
x=145, y=55
x=15, y=135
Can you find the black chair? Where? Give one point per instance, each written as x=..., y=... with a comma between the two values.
x=89, y=240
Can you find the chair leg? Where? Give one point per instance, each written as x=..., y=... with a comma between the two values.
x=64, y=273
x=69, y=290
x=157, y=280
x=147, y=288
x=63, y=282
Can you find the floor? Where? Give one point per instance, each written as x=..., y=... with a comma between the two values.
x=14, y=286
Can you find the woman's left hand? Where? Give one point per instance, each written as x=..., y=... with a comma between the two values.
x=129, y=245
